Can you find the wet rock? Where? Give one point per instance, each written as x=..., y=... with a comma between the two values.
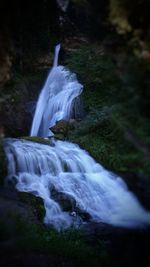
x=68, y=203
x=63, y=127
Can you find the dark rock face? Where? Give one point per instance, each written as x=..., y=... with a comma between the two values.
x=67, y=202
x=124, y=246
x=139, y=184
x=15, y=116
x=14, y=111
x=5, y=57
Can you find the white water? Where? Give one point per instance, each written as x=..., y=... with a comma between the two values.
x=64, y=166
x=56, y=99
x=67, y=168
x=57, y=49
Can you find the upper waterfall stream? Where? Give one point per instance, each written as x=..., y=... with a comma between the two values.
x=63, y=166
x=56, y=99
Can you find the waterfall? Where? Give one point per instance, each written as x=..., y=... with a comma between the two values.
x=63, y=4
x=56, y=99
x=63, y=166
x=67, y=169
x=57, y=49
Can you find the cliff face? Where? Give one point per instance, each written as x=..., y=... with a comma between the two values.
x=5, y=57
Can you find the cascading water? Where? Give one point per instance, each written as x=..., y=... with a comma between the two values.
x=57, y=49
x=63, y=166
x=56, y=99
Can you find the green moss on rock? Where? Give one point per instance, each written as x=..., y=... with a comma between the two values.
x=36, y=139
x=34, y=202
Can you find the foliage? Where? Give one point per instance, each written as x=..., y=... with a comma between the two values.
x=130, y=16
x=96, y=72
x=70, y=245
x=119, y=16
x=116, y=101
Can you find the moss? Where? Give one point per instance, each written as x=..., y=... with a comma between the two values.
x=36, y=139
x=114, y=102
x=60, y=137
x=35, y=202
x=42, y=140
x=116, y=155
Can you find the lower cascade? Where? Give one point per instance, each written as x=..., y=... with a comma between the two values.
x=63, y=166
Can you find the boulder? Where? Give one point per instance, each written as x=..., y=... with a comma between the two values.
x=63, y=127
x=68, y=203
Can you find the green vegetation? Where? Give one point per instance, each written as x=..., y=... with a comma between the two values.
x=69, y=245
x=122, y=16
x=33, y=202
x=42, y=140
x=36, y=139
x=115, y=129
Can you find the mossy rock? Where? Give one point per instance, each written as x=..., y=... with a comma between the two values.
x=34, y=202
x=36, y=139
x=41, y=140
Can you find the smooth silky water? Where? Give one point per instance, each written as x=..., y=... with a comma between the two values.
x=63, y=166
x=56, y=99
